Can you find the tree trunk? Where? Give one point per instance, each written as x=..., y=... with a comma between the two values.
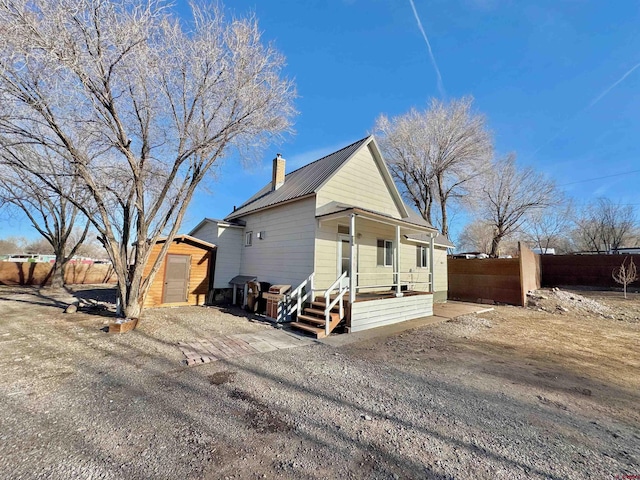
x=132, y=308
x=443, y=206
x=57, y=272
x=495, y=245
x=131, y=294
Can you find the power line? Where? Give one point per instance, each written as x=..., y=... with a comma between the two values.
x=600, y=178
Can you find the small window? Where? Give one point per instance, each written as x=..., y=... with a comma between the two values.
x=248, y=238
x=385, y=253
x=421, y=256
x=343, y=229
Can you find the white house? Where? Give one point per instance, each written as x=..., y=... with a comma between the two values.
x=338, y=231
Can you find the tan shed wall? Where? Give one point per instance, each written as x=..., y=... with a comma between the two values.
x=198, y=275
x=359, y=182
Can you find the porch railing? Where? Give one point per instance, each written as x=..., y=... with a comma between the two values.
x=410, y=279
x=340, y=286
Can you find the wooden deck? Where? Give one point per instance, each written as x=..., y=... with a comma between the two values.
x=366, y=296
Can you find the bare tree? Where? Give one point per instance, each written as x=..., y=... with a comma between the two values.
x=476, y=237
x=511, y=193
x=604, y=226
x=11, y=245
x=53, y=215
x=436, y=154
x=549, y=227
x=138, y=108
x=625, y=274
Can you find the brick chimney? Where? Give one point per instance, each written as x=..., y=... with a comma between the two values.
x=277, y=180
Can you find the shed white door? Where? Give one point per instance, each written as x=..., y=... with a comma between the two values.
x=176, y=278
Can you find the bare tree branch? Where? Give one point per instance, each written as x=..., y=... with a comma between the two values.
x=436, y=155
x=510, y=194
x=137, y=108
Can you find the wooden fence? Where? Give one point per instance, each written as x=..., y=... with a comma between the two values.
x=584, y=270
x=26, y=273
x=503, y=280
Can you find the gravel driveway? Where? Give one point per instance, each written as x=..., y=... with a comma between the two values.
x=79, y=403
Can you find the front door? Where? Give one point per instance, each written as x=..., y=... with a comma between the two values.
x=176, y=278
x=344, y=262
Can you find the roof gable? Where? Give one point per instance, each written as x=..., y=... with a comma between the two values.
x=364, y=182
x=300, y=183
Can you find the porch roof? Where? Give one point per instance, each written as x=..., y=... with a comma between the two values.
x=334, y=211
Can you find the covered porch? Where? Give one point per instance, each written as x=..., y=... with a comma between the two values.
x=368, y=270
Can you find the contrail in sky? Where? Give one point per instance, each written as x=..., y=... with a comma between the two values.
x=593, y=102
x=614, y=85
x=433, y=59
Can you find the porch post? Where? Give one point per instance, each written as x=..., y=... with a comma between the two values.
x=397, y=262
x=431, y=279
x=353, y=266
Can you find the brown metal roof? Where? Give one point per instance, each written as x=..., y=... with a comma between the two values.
x=299, y=183
x=192, y=240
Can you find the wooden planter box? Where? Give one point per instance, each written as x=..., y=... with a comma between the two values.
x=123, y=327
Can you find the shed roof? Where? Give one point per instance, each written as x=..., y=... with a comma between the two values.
x=196, y=242
x=299, y=183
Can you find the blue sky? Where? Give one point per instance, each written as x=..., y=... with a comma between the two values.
x=541, y=73
x=547, y=74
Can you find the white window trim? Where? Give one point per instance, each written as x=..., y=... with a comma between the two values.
x=424, y=255
x=387, y=244
x=248, y=239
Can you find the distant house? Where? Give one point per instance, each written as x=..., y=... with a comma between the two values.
x=338, y=232
x=544, y=251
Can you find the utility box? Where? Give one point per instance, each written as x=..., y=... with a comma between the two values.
x=276, y=301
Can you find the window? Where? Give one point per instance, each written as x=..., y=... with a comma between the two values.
x=248, y=237
x=343, y=229
x=385, y=253
x=421, y=256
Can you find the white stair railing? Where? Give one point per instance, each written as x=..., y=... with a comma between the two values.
x=297, y=298
x=329, y=304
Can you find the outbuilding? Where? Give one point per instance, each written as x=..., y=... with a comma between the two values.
x=186, y=274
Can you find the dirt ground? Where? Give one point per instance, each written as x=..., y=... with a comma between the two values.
x=550, y=391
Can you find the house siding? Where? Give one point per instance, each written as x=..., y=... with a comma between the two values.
x=229, y=242
x=229, y=255
x=359, y=182
x=285, y=255
x=441, y=285
x=376, y=313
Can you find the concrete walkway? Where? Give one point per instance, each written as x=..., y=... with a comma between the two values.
x=441, y=313
x=451, y=309
x=206, y=350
